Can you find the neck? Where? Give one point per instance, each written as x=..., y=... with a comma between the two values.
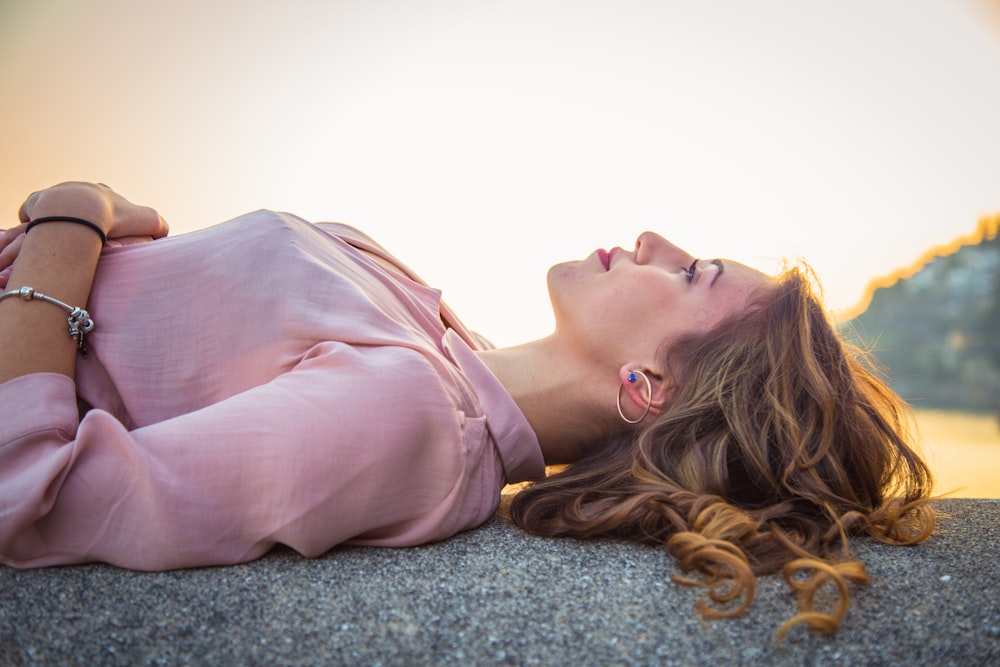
x=557, y=395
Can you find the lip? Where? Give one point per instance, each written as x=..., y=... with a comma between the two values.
x=605, y=258
x=611, y=255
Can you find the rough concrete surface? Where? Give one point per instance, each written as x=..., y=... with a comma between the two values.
x=495, y=596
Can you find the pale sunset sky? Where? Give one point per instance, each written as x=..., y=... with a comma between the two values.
x=483, y=141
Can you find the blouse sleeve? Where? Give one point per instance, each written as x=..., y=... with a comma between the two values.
x=325, y=453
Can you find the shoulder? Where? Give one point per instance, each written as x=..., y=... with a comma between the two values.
x=348, y=233
x=374, y=250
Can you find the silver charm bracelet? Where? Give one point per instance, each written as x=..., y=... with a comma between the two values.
x=79, y=320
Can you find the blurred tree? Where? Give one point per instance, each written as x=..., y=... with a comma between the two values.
x=938, y=332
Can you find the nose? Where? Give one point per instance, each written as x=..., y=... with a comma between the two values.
x=651, y=248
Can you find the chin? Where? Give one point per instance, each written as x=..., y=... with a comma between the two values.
x=554, y=281
x=567, y=295
x=554, y=276
x=561, y=276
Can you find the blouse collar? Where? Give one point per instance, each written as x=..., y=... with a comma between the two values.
x=515, y=440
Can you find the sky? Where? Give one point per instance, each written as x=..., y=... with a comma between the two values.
x=483, y=141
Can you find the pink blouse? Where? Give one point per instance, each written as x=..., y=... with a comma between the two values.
x=262, y=381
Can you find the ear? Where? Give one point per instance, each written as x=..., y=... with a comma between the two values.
x=636, y=392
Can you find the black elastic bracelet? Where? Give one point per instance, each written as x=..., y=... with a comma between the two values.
x=67, y=218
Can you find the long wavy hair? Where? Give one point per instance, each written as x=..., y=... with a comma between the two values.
x=780, y=442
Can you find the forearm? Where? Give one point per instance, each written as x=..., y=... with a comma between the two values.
x=58, y=259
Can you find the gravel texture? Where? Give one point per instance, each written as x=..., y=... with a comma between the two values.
x=495, y=596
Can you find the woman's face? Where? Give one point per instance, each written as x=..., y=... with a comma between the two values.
x=623, y=305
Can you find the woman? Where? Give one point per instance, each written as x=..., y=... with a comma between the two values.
x=268, y=380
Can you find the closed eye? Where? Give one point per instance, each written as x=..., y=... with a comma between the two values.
x=689, y=272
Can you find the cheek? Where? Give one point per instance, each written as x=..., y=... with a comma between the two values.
x=713, y=313
x=649, y=312
x=631, y=305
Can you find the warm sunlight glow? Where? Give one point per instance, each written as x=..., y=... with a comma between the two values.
x=484, y=141
x=963, y=451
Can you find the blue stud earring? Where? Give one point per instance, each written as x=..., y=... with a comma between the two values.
x=631, y=377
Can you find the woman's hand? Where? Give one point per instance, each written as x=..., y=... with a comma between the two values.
x=122, y=221
x=96, y=202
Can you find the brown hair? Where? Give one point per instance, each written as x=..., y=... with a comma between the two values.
x=780, y=442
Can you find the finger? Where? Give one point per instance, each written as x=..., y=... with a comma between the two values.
x=128, y=240
x=10, y=252
x=24, y=213
x=162, y=228
x=157, y=227
x=7, y=236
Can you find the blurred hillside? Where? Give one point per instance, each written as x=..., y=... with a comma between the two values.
x=937, y=330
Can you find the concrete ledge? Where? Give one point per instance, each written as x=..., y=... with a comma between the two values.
x=495, y=596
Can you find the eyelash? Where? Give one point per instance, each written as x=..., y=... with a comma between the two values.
x=690, y=270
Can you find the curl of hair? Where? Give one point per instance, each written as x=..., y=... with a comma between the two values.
x=780, y=443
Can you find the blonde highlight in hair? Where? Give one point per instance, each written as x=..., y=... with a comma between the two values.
x=780, y=443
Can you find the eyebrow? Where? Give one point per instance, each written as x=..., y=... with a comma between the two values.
x=722, y=268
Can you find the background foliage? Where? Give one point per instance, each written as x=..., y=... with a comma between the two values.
x=937, y=333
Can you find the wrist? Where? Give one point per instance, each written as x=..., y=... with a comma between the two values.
x=70, y=201
x=68, y=218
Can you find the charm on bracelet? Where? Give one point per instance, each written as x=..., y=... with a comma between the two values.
x=79, y=321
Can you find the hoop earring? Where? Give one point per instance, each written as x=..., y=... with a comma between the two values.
x=649, y=398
